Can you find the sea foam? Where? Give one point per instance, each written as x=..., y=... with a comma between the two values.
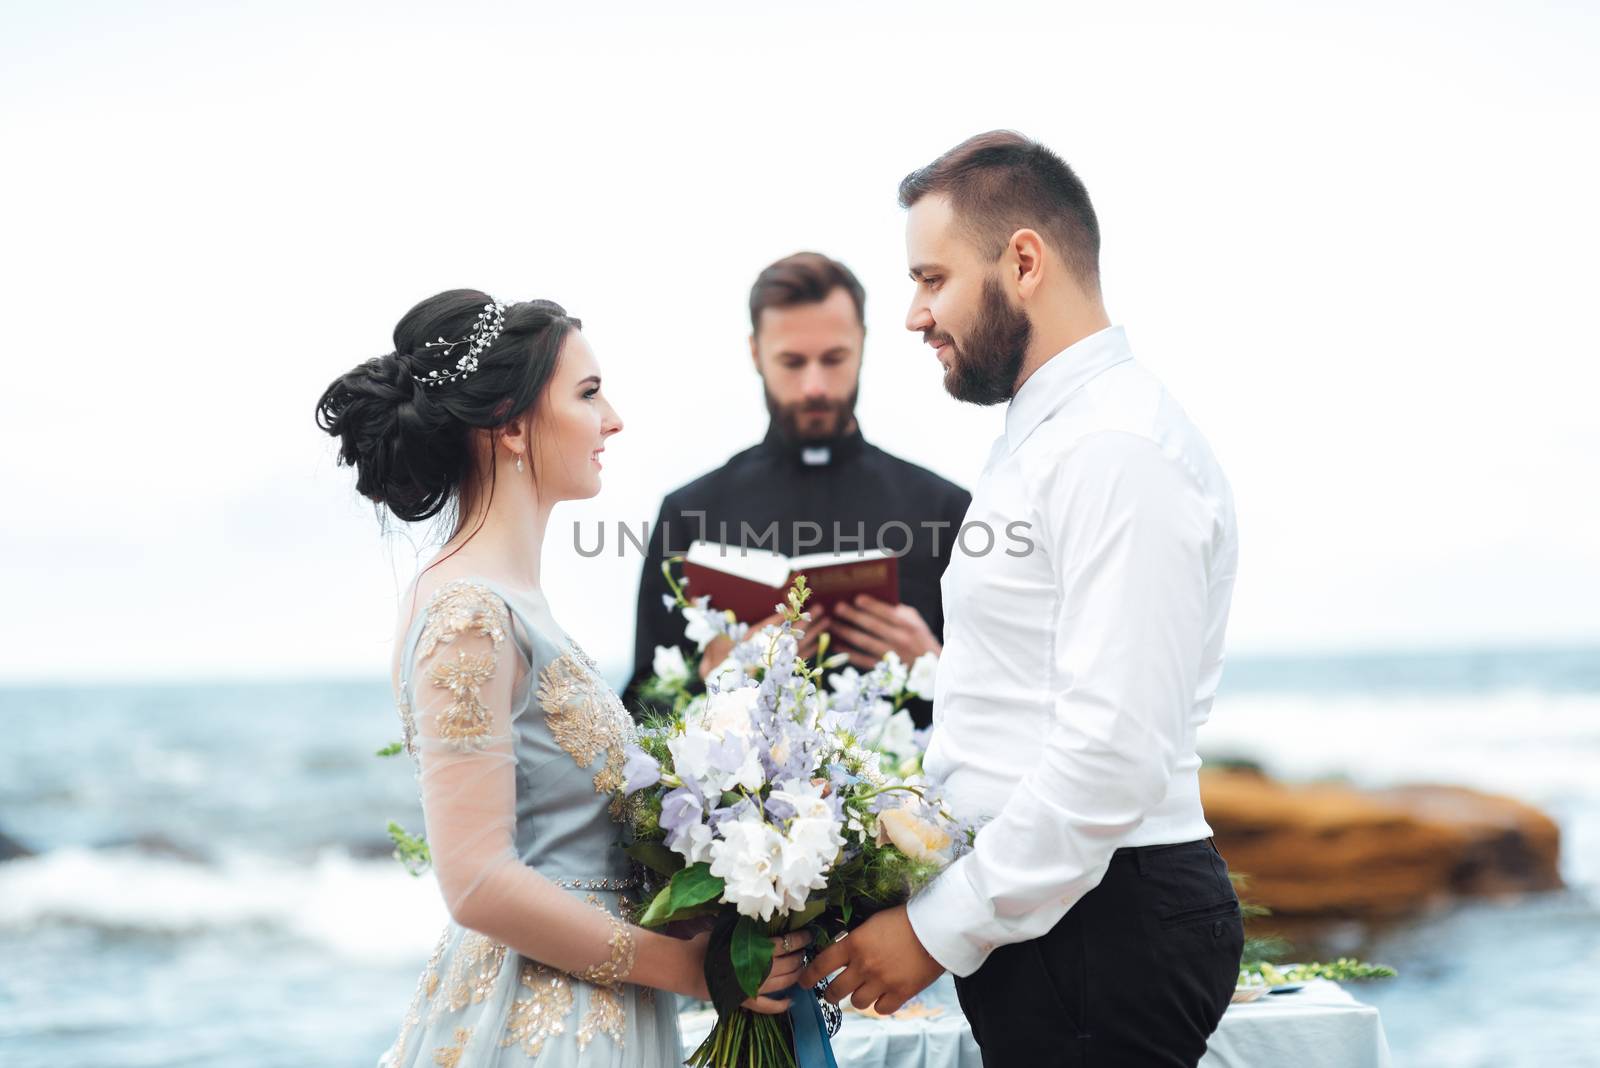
x=359, y=909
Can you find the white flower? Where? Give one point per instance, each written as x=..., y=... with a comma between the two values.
x=729, y=711
x=805, y=797
x=727, y=675
x=691, y=758
x=695, y=844
x=873, y=719
x=896, y=671
x=699, y=629
x=898, y=737
x=920, y=681
x=846, y=686
x=746, y=857
x=766, y=870
x=748, y=775
x=811, y=845
x=865, y=763
x=691, y=752
x=669, y=664
x=804, y=859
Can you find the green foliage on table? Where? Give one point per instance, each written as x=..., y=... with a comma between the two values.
x=1343, y=970
x=1261, y=962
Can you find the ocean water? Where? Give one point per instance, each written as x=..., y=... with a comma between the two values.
x=212, y=883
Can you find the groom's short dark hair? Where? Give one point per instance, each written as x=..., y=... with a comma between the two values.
x=804, y=278
x=1001, y=182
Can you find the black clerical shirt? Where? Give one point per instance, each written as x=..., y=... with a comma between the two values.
x=794, y=498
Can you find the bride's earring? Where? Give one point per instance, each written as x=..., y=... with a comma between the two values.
x=519, y=463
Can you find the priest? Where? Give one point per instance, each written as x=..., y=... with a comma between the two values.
x=813, y=484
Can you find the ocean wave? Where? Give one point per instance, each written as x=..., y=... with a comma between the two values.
x=360, y=909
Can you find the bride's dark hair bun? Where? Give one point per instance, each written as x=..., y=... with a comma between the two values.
x=411, y=443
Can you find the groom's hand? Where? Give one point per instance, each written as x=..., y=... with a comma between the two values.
x=873, y=627
x=884, y=964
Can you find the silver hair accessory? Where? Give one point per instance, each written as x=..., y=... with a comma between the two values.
x=484, y=330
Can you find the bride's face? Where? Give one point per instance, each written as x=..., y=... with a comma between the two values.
x=571, y=429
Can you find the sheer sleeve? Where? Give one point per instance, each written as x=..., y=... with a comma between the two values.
x=462, y=678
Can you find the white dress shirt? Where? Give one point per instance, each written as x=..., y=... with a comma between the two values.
x=1076, y=671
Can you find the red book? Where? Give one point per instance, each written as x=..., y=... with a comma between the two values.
x=751, y=583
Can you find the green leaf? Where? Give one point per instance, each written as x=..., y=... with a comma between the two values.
x=655, y=856
x=751, y=950
x=722, y=979
x=693, y=886
x=392, y=749
x=806, y=915
x=659, y=906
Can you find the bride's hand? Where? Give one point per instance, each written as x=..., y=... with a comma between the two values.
x=787, y=965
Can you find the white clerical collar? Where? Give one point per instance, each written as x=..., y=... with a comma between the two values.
x=816, y=455
x=1060, y=377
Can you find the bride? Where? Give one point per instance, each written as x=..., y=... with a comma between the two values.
x=490, y=414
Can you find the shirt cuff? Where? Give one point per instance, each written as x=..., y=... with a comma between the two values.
x=946, y=916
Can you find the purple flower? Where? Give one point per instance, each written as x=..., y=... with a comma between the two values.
x=680, y=809
x=779, y=809
x=639, y=770
x=735, y=812
x=726, y=755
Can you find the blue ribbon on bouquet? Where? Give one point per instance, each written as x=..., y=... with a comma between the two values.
x=812, y=1048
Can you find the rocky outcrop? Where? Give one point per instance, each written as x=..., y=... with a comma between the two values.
x=1327, y=849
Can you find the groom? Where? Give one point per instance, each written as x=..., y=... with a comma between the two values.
x=1093, y=921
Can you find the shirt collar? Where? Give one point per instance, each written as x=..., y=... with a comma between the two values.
x=1059, y=377
x=828, y=452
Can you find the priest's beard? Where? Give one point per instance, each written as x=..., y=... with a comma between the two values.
x=787, y=416
x=984, y=369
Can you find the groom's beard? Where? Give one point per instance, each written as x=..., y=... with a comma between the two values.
x=984, y=369
x=788, y=417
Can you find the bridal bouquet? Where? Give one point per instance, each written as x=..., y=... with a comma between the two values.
x=770, y=804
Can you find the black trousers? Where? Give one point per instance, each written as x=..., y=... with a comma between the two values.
x=1136, y=974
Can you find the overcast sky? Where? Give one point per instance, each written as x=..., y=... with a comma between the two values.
x=1357, y=241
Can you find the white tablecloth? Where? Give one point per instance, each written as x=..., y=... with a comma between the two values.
x=1320, y=1026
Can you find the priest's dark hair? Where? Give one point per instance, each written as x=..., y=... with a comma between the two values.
x=1001, y=182
x=411, y=443
x=804, y=278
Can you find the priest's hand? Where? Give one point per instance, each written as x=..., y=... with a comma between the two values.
x=871, y=628
x=719, y=648
x=884, y=964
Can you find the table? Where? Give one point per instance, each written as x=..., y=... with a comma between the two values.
x=1319, y=1026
